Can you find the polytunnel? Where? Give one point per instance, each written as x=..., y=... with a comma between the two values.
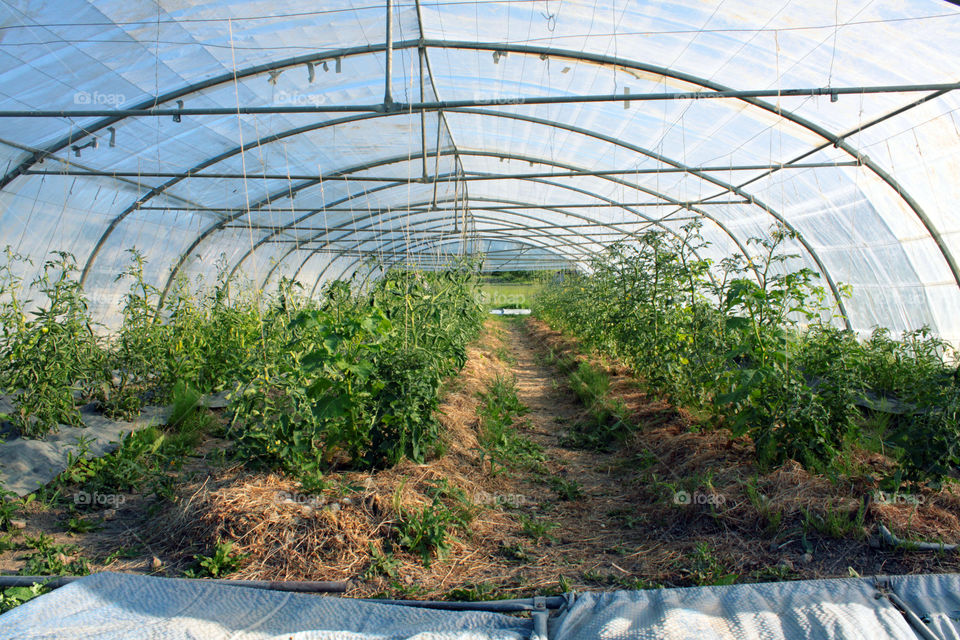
x=304, y=141
x=726, y=400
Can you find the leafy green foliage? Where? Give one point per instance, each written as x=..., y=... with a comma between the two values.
x=352, y=379
x=749, y=345
x=498, y=410
x=50, y=559
x=706, y=570
x=355, y=380
x=224, y=561
x=51, y=355
x=15, y=596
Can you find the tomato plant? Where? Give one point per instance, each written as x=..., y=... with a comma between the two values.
x=748, y=343
x=51, y=354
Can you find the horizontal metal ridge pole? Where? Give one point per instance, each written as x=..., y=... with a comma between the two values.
x=413, y=232
x=468, y=176
x=400, y=107
x=426, y=253
x=421, y=209
x=435, y=258
x=55, y=582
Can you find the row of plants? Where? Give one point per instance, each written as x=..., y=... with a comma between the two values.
x=750, y=344
x=360, y=375
x=346, y=378
x=56, y=357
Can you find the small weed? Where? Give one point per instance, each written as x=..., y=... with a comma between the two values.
x=566, y=489
x=10, y=506
x=77, y=524
x=836, y=523
x=538, y=529
x=775, y=573
x=7, y=542
x=707, y=570
x=117, y=554
x=382, y=563
x=223, y=562
x=15, y=596
x=505, y=356
x=499, y=407
x=771, y=517
x=475, y=592
x=515, y=552
x=51, y=559
x=426, y=530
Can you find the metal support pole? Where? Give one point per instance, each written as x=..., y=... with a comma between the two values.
x=390, y=105
x=468, y=177
x=423, y=116
x=387, y=89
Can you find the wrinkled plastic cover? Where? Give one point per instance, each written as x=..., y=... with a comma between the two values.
x=120, y=607
x=886, y=227
x=823, y=609
x=111, y=606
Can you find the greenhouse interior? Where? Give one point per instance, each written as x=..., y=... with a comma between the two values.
x=487, y=319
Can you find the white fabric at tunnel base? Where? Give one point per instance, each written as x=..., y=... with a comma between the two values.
x=127, y=607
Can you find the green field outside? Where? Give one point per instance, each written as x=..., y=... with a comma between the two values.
x=511, y=296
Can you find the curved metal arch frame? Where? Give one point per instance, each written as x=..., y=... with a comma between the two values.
x=421, y=243
x=161, y=189
x=484, y=218
x=539, y=234
x=391, y=263
x=643, y=217
x=428, y=242
x=457, y=153
x=337, y=254
x=608, y=139
x=409, y=158
x=464, y=152
x=643, y=220
x=665, y=160
x=599, y=59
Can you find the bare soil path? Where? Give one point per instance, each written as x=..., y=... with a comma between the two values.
x=587, y=493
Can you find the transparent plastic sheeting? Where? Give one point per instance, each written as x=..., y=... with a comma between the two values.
x=119, y=607
x=885, y=221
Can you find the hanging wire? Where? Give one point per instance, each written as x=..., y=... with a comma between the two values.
x=246, y=188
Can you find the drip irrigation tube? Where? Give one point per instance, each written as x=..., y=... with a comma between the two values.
x=884, y=590
x=55, y=582
x=539, y=603
x=894, y=541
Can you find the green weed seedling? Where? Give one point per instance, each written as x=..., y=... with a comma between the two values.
x=46, y=558
x=15, y=596
x=707, y=570
x=382, y=563
x=836, y=523
x=476, y=592
x=566, y=489
x=77, y=525
x=500, y=441
x=538, y=529
x=223, y=562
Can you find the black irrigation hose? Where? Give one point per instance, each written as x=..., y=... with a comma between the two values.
x=499, y=606
x=55, y=582
x=894, y=541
